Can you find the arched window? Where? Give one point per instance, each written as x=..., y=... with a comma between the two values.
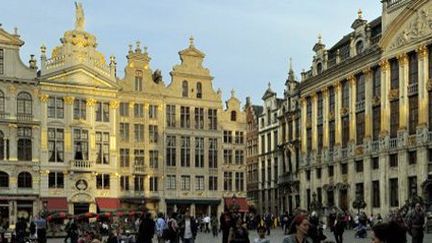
x=199, y=90
x=233, y=115
x=4, y=179
x=359, y=47
x=319, y=68
x=24, y=103
x=2, y=146
x=2, y=102
x=185, y=88
x=24, y=180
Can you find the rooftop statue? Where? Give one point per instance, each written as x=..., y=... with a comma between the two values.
x=79, y=17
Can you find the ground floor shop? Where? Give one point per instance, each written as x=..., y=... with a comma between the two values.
x=196, y=207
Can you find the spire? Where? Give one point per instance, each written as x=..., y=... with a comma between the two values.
x=360, y=14
x=191, y=41
x=291, y=76
x=79, y=17
x=319, y=38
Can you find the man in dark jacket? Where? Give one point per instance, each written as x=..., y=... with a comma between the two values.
x=188, y=228
x=146, y=229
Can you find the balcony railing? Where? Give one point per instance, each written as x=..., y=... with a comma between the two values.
x=393, y=143
x=24, y=117
x=82, y=165
x=330, y=155
x=360, y=105
x=413, y=89
x=141, y=169
x=375, y=146
x=412, y=140
x=4, y=115
x=286, y=178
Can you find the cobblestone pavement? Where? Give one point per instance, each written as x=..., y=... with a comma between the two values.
x=276, y=236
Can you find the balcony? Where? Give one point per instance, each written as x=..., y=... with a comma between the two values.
x=140, y=169
x=344, y=153
x=23, y=117
x=330, y=155
x=393, y=143
x=82, y=165
x=360, y=105
x=286, y=178
x=412, y=140
x=375, y=146
x=413, y=89
x=4, y=115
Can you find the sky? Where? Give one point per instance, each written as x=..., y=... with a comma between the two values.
x=248, y=43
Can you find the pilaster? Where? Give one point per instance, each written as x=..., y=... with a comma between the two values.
x=338, y=122
x=325, y=117
x=303, y=121
x=385, y=104
x=368, y=102
x=403, y=90
x=423, y=80
x=352, y=109
x=314, y=122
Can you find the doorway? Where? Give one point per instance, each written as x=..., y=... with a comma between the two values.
x=343, y=199
x=80, y=208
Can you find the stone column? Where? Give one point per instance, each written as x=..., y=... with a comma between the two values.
x=385, y=104
x=367, y=183
x=314, y=122
x=91, y=118
x=338, y=106
x=403, y=176
x=113, y=105
x=368, y=103
x=303, y=122
x=352, y=109
x=325, y=118
x=423, y=81
x=69, y=113
x=403, y=91
x=384, y=183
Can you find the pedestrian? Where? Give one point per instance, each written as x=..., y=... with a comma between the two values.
x=261, y=230
x=207, y=224
x=41, y=226
x=188, y=228
x=315, y=231
x=416, y=224
x=146, y=229
x=225, y=225
x=20, y=230
x=339, y=228
x=160, y=227
x=390, y=232
x=268, y=220
x=298, y=231
x=173, y=228
x=238, y=233
x=214, y=225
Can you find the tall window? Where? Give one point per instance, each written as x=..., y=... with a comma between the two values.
x=185, y=151
x=376, y=75
x=102, y=111
x=228, y=181
x=376, y=122
x=309, y=108
x=331, y=100
x=153, y=133
x=319, y=104
x=139, y=157
x=413, y=68
x=171, y=151
x=124, y=183
x=55, y=145
x=212, y=118
x=24, y=143
x=320, y=137
x=227, y=136
x=139, y=183
x=239, y=181
x=394, y=74
x=199, y=152
x=332, y=135
x=138, y=110
x=170, y=116
x=24, y=104
x=154, y=159
x=239, y=137
x=185, y=88
x=199, y=90
x=102, y=148
x=360, y=89
x=55, y=107
x=138, y=80
x=227, y=156
x=1, y=61
x=360, y=126
x=413, y=114
x=199, y=183
x=394, y=118
x=213, y=183
x=124, y=132
x=213, y=153
x=80, y=144
x=170, y=182
x=80, y=109
x=124, y=109
x=345, y=131
x=394, y=192
x=153, y=184
x=199, y=118
x=4, y=180
x=139, y=132
x=233, y=116
x=25, y=180
x=375, y=194
x=55, y=180
x=2, y=102
x=184, y=117
x=239, y=157
x=153, y=111
x=345, y=94
x=185, y=183
x=412, y=185
x=124, y=157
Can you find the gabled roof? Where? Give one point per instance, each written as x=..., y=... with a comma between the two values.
x=9, y=39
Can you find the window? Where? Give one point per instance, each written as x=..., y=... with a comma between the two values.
x=124, y=183
x=124, y=109
x=185, y=88
x=199, y=152
x=199, y=90
x=124, y=157
x=138, y=80
x=331, y=100
x=213, y=183
x=394, y=74
x=55, y=145
x=212, y=117
x=2, y=102
x=171, y=151
x=393, y=160
x=413, y=68
x=239, y=181
x=102, y=148
x=359, y=165
x=154, y=159
x=233, y=116
x=331, y=171
x=185, y=151
x=227, y=136
x=320, y=137
x=213, y=153
x=360, y=190
x=345, y=94
x=170, y=114
x=4, y=180
x=413, y=114
x=153, y=133
x=199, y=183
x=412, y=186
x=103, y=181
x=24, y=148
x=55, y=180
x=171, y=182
x=360, y=127
x=138, y=110
x=332, y=134
x=344, y=169
x=1, y=61
x=55, y=107
x=319, y=105
x=153, y=184
x=376, y=79
x=184, y=117
x=153, y=111
x=102, y=111
x=139, y=183
x=308, y=175
x=139, y=157
x=227, y=156
x=185, y=183
x=239, y=137
x=124, y=132
x=309, y=108
x=80, y=109
x=228, y=181
x=139, y=132
x=239, y=157
x=412, y=157
x=375, y=163
x=345, y=131
x=318, y=173
x=394, y=192
x=199, y=118
x=309, y=139
x=24, y=104
x=360, y=89
x=25, y=180
x=375, y=194
x=376, y=122
x=80, y=144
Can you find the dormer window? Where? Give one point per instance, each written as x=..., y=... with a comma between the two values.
x=359, y=47
x=319, y=68
x=138, y=80
x=233, y=115
x=185, y=88
x=1, y=61
x=199, y=90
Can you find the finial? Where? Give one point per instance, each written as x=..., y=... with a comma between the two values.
x=130, y=48
x=15, y=31
x=291, y=71
x=112, y=59
x=191, y=41
x=79, y=17
x=319, y=38
x=290, y=65
x=145, y=49
x=269, y=85
x=43, y=49
x=138, y=48
x=360, y=14
x=232, y=93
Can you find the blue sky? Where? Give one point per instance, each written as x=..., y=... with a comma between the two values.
x=248, y=43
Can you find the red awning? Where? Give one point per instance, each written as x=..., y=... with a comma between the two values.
x=57, y=204
x=242, y=202
x=108, y=204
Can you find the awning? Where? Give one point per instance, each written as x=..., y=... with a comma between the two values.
x=193, y=201
x=241, y=202
x=108, y=204
x=57, y=204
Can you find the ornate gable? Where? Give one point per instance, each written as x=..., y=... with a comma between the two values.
x=192, y=62
x=8, y=39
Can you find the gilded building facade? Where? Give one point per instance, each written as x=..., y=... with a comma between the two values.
x=88, y=141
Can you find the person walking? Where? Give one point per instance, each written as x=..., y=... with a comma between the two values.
x=41, y=226
x=173, y=229
x=225, y=225
x=388, y=232
x=160, y=227
x=146, y=229
x=339, y=228
x=239, y=233
x=298, y=231
x=214, y=225
x=188, y=228
x=416, y=224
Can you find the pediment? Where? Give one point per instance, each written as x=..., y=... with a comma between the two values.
x=8, y=39
x=192, y=51
x=413, y=25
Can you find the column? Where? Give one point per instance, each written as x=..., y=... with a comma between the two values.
x=69, y=111
x=423, y=72
x=368, y=102
x=113, y=106
x=314, y=122
x=338, y=106
x=403, y=91
x=325, y=117
x=91, y=118
x=352, y=109
x=367, y=183
x=303, y=121
x=385, y=104
x=384, y=183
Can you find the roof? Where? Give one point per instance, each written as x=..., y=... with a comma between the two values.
x=257, y=109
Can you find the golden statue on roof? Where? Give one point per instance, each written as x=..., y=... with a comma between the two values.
x=79, y=17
